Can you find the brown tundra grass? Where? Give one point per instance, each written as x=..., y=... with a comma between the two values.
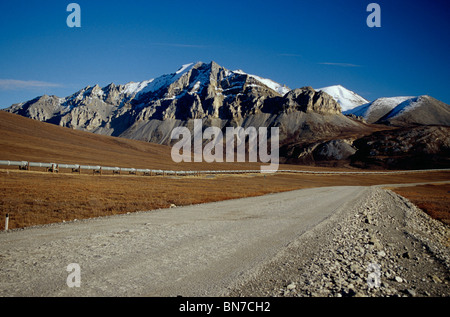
x=37, y=198
x=433, y=199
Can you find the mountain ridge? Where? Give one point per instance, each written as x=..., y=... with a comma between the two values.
x=404, y=111
x=312, y=127
x=148, y=110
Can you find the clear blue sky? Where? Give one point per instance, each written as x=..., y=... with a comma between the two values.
x=297, y=43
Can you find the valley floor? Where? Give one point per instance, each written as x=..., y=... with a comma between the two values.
x=36, y=198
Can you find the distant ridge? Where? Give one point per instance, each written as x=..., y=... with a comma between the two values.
x=376, y=109
x=404, y=111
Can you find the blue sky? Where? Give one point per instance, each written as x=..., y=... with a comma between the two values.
x=297, y=43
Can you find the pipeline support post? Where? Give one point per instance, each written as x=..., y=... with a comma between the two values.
x=6, y=222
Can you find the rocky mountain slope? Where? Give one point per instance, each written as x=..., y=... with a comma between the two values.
x=313, y=129
x=150, y=110
x=375, y=110
x=404, y=148
x=422, y=110
x=404, y=111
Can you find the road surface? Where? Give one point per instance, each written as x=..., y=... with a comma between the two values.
x=198, y=250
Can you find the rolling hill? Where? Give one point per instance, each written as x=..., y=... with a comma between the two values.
x=30, y=140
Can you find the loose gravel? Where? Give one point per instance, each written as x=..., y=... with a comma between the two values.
x=382, y=246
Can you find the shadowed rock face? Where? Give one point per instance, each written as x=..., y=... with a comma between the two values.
x=405, y=148
x=321, y=151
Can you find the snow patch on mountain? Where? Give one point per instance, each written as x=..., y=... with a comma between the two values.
x=281, y=89
x=405, y=106
x=133, y=87
x=183, y=68
x=151, y=85
x=378, y=108
x=346, y=98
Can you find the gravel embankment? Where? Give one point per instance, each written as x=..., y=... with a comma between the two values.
x=382, y=246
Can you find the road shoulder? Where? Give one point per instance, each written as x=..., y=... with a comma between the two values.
x=382, y=245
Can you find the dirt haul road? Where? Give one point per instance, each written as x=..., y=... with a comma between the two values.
x=199, y=250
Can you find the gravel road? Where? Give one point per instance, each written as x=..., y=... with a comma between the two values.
x=201, y=250
x=331, y=241
x=382, y=245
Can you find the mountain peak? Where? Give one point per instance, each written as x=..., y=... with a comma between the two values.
x=345, y=97
x=195, y=65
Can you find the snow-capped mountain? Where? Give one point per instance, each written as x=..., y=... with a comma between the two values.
x=281, y=89
x=198, y=81
x=421, y=110
x=312, y=126
x=346, y=98
x=194, y=90
x=376, y=109
x=149, y=110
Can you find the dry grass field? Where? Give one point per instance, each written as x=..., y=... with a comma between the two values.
x=37, y=197
x=40, y=198
x=434, y=199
